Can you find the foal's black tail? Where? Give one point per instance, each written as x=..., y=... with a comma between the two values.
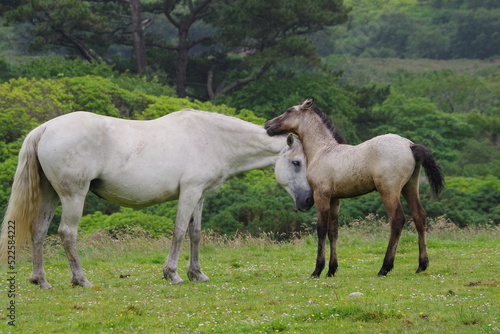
x=432, y=170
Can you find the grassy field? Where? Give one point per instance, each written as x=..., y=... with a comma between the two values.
x=260, y=286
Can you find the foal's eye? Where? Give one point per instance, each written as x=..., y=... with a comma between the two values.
x=296, y=163
x=289, y=110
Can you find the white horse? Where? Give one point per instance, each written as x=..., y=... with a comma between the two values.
x=184, y=155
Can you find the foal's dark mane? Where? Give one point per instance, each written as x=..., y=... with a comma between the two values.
x=329, y=125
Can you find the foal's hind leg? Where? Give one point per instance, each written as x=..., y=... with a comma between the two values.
x=396, y=215
x=47, y=208
x=72, y=207
x=410, y=193
x=194, y=271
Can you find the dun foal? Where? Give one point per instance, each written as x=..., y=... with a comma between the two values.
x=389, y=164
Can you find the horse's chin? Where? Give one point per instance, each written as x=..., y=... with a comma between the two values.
x=270, y=132
x=304, y=207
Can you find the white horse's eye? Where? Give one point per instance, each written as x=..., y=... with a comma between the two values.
x=296, y=162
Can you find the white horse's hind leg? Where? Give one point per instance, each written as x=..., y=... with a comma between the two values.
x=194, y=271
x=72, y=208
x=188, y=201
x=47, y=208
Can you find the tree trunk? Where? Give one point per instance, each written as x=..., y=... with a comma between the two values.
x=196, y=13
x=138, y=35
x=182, y=59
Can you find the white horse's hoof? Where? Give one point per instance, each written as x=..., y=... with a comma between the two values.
x=197, y=276
x=83, y=283
x=172, y=276
x=41, y=282
x=45, y=286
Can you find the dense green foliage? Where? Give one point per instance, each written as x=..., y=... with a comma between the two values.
x=453, y=110
x=433, y=29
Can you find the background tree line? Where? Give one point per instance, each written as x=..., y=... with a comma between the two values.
x=253, y=59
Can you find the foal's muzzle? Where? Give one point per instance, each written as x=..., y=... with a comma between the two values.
x=271, y=129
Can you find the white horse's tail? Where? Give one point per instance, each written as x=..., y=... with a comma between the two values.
x=22, y=212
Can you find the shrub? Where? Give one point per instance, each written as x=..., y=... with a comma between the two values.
x=127, y=218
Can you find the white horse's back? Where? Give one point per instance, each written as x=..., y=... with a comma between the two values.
x=134, y=163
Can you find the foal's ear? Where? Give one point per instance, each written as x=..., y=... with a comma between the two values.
x=290, y=139
x=307, y=104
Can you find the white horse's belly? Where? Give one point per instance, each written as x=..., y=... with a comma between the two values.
x=134, y=199
x=142, y=191
x=139, y=185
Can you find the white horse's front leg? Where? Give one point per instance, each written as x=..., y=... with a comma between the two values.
x=185, y=210
x=194, y=271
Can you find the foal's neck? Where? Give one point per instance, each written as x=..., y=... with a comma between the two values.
x=315, y=137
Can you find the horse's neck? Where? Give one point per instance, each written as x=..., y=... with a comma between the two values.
x=251, y=147
x=316, y=138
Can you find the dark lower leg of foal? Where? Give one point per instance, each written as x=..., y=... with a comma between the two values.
x=323, y=210
x=333, y=234
x=320, y=258
x=397, y=223
x=410, y=193
x=419, y=218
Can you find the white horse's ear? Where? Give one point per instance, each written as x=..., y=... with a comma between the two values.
x=307, y=104
x=290, y=139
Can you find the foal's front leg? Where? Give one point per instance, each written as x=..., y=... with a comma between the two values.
x=323, y=209
x=333, y=234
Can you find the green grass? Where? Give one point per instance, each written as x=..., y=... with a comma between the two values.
x=260, y=286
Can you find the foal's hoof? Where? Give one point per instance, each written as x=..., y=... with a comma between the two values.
x=382, y=272
x=420, y=269
x=423, y=264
